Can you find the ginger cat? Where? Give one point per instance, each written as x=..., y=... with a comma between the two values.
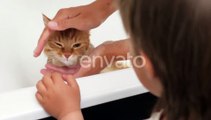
x=64, y=48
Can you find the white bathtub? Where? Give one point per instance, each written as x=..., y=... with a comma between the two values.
x=20, y=27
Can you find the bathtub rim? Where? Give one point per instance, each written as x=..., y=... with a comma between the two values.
x=21, y=103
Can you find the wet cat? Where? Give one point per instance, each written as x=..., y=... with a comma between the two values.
x=64, y=48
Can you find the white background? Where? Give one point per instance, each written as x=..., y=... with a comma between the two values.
x=20, y=27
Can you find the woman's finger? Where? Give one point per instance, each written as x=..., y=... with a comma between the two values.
x=42, y=41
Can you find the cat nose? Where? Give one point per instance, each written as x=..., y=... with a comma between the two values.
x=67, y=55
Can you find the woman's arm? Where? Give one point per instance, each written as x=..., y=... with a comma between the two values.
x=117, y=49
x=82, y=17
x=109, y=52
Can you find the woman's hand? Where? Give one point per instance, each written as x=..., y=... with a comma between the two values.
x=104, y=55
x=94, y=63
x=82, y=17
x=59, y=99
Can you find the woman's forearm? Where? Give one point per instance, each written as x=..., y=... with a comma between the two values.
x=118, y=49
x=108, y=6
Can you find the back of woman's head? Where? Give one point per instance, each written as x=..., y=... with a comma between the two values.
x=176, y=36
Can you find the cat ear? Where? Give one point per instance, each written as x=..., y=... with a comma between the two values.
x=45, y=19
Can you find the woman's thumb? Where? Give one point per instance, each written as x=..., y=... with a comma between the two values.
x=62, y=24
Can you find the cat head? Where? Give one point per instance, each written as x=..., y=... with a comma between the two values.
x=64, y=48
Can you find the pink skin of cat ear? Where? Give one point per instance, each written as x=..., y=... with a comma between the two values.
x=63, y=70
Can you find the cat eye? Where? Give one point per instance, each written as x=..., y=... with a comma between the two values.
x=77, y=45
x=58, y=44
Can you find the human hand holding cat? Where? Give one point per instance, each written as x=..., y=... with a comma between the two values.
x=82, y=18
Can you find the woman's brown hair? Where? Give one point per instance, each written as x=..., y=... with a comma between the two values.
x=176, y=36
